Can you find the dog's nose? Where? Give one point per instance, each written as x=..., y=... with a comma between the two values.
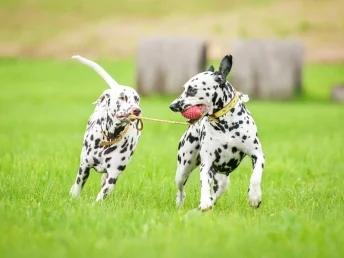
x=174, y=107
x=136, y=111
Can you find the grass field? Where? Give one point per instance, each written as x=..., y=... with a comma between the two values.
x=44, y=107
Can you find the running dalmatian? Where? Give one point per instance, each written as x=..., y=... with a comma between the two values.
x=222, y=136
x=111, y=137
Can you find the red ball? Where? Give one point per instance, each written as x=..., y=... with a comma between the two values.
x=192, y=113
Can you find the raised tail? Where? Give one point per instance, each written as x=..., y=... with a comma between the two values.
x=109, y=80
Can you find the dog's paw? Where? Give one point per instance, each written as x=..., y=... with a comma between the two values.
x=206, y=205
x=254, y=197
x=180, y=198
x=74, y=191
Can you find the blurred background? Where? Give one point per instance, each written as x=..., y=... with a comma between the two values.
x=112, y=29
x=117, y=30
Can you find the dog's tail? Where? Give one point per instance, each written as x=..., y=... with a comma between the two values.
x=109, y=80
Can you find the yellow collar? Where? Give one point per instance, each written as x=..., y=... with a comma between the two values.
x=117, y=139
x=226, y=108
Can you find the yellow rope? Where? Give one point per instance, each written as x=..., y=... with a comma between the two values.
x=133, y=117
x=216, y=115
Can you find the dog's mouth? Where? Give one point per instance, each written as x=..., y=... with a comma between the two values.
x=195, y=112
x=124, y=117
x=121, y=117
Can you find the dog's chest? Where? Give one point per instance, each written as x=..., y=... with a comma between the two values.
x=223, y=151
x=225, y=142
x=110, y=156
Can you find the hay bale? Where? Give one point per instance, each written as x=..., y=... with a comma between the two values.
x=268, y=69
x=337, y=93
x=164, y=64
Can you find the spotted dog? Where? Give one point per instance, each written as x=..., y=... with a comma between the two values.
x=220, y=139
x=111, y=137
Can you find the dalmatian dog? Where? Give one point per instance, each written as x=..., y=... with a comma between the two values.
x=111, y=137
x=218, y=141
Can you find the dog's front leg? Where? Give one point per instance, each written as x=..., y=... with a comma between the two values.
x=206, y=178
x=188, y=160
x=81, y=178
x=221, y=183
x=108, y=183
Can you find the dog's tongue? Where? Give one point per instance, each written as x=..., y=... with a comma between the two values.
x=192, y=113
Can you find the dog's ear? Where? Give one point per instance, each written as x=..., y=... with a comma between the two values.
x=224, y=69
x=226, y=66
x=211, y=69
x=105, y=96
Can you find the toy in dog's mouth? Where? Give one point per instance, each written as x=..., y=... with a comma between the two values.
x=194, y=112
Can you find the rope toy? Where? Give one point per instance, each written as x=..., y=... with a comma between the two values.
x=139, y=123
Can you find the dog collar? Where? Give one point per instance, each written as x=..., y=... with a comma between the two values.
x=117, y=139
x=226, y=108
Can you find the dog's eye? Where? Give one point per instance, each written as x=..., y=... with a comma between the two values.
x=191, y=91
x=124, y=98
x=137, y=100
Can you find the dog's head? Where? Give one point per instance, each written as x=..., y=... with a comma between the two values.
x=119, y=103
x=208, y=90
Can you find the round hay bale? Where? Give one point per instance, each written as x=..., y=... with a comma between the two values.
x=164, y=64
x=268, y=69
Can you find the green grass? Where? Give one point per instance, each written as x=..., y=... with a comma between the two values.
x=44, y=107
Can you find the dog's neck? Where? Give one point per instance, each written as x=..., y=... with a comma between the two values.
x=111, y=126
x=222, y=96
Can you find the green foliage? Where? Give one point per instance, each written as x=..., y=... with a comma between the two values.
x=44, y=107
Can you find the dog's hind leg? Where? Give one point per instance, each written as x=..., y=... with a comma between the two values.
x=103, y=180
x=221, y=183
x=81, y=178
x=188, y=160
x=254, y=191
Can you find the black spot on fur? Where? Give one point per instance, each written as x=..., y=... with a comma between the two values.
x=110, y=149
x=96, y=143
x=124, y=149
x=107, y=159
x=121, y=168
x=96, y=161
x=191, y=138
x=217, y=156
x=254, y=160
x=112, y=180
